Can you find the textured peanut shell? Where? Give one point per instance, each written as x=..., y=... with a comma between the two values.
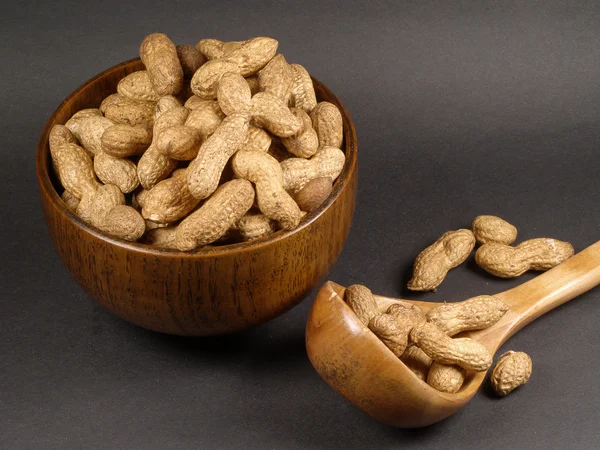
x=233, y=94
x=179, y=142
x=205, y=80
x=254, y=225
x=360, y=300
x=417, y=361
x=159, y=55
x=70, y=200
x=137, y=86
x=432, y=264
x=165, y=104
x=303, y=91
x=297, y=172
x=316, y=191
x=328, y=124
x=513, y=369
x=391, y=332
x=274, y=115
x=59, y=135
x=124, y=222
x=118, y=171
x=464, y=352
x=252, y=55
x=225, y=207
x=75, y=169
x=535, y=254
x=161, y=237
x=408, y=314
x=124, y=110
x=174, y=116
x=258, y=140
x=84, y=208
x=305, y=143
x=205, y=171
x=138, y=198
x=214, y=48
x=205, y=117
x=476, y=313
x=154, y=166
x=278, y=151
x=190, y=59
x=252, y=81
x=493, y=229
x=76, y=119
x=277, y=77
x=106, y=198
x=124, y=140
x=446, y=378
x=194, y=102
x=169, y=201
x=265, y=172
x=89, y=131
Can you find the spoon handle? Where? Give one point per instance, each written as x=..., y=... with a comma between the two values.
x=536, y=297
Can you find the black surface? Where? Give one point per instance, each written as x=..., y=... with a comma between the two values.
x=461, y=109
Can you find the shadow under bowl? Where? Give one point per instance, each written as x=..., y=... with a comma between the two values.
x=209, y=291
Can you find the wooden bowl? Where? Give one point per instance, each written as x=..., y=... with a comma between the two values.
x=209, y=291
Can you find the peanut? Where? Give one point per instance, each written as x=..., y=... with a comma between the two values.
x=226, y=206
x=154, y=166
x=316, y=191
x=137, y=86
x=190, y=59
x=493, y=229
x=252, y=55
x=194, y=102
x=360, y=300
x=258, y=140
x=446, y=378
x=124, y=140
x=233, y=94
x=70, y=200
x=328, y=124
x=89, y=131
x=205, y=80
x=159, y=55
x=162, y=237
x=265, y=172
x=179, y=142
x=271, y=113
x=75, y=169
x=205, y=171
x=118, y=171
x=535, y=254
x=120, y=109
x=391, y=332
x=253, y=83
x=124, y=222
x=205, y=117
x=278, y=151
x=417, y=361
x=59, y=135
x=165, y=104
x=303, y=91
x=476, y=313
x=464, y=352
x=277, y=77
x=306, y=142
x=513, y=369
x=169, y=200
x=433, y=263
x=297, y=172
x=213, y=48
x=104, y=200
x=253, y=225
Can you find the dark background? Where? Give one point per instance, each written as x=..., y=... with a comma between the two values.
x=477, y=107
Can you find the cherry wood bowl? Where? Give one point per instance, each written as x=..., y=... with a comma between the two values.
x=209, y=291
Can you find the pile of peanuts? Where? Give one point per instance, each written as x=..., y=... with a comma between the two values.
x=426, y=342
x=213, y=144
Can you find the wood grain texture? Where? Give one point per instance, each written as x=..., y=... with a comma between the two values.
x=209, y=291
x=359, y=366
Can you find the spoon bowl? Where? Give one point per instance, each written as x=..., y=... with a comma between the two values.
x=354, y=362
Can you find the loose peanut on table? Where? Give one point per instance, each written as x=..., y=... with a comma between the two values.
x=194, y=119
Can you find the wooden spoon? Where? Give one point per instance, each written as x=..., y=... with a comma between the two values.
x=360, y=367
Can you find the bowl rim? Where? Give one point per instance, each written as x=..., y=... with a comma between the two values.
x=43, y=162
